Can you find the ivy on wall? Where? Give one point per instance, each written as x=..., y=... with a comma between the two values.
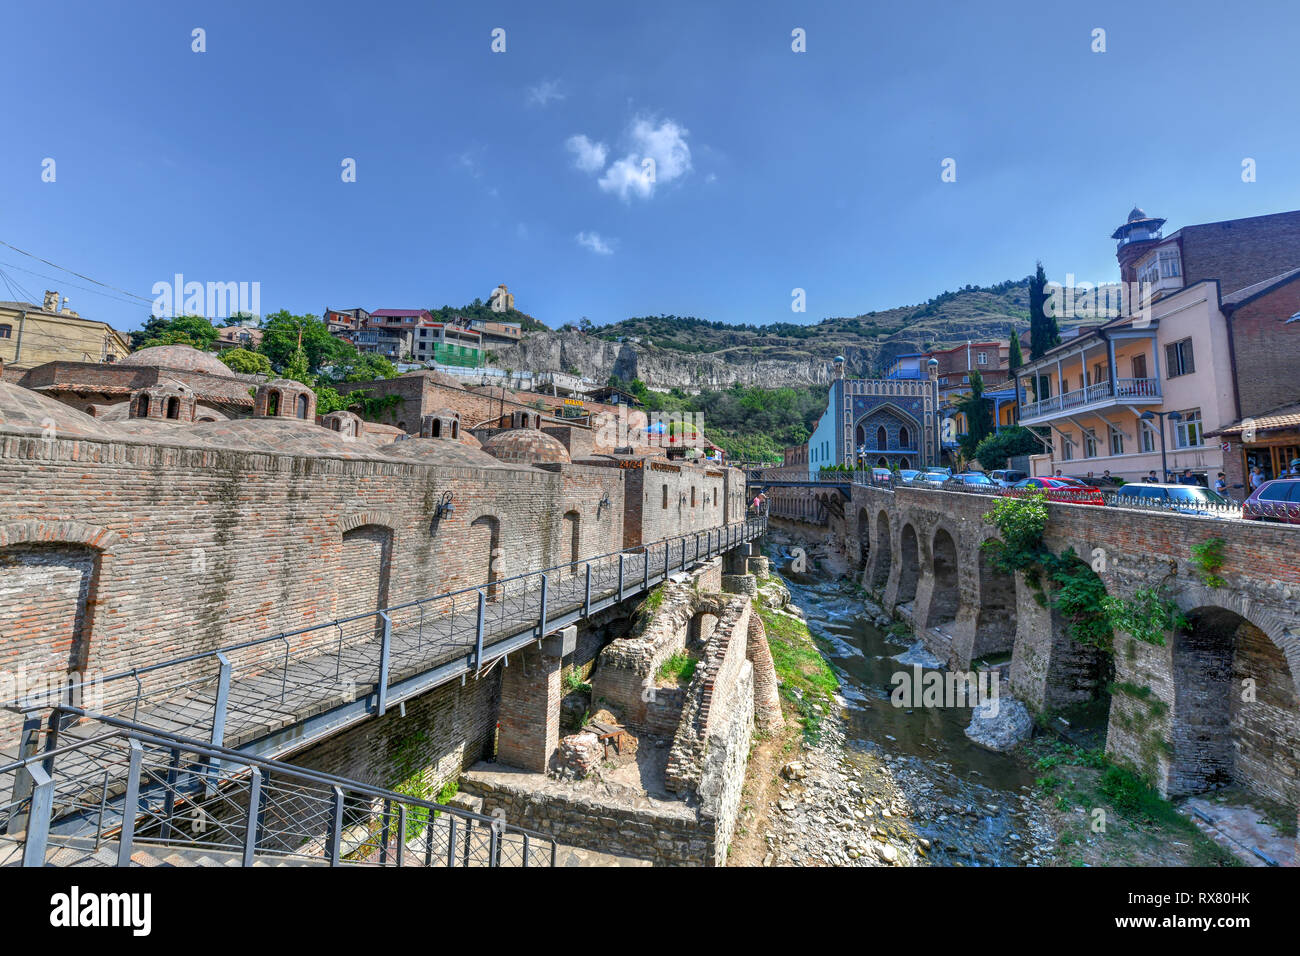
x=1067, y=584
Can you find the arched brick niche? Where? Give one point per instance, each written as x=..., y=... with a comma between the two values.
x=347, y=424
x=163, y=403
x=57, y=566
x=283, y=398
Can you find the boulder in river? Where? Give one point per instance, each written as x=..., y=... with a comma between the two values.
x=999, y=723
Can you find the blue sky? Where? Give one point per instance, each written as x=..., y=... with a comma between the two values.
x=775, y=170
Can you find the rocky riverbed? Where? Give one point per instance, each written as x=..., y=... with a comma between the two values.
x=880, y=785
x=844, y=802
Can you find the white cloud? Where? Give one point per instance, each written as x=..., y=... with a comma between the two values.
x=587, y=156
x=544, y=93
x=658, y=153
x=594, y=242
x=469, y=162
x=628, y=176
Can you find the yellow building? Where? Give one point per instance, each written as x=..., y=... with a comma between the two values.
x=32, y=335
x=1109, y=392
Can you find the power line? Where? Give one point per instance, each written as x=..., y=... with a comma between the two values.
x=71, y=285
x=77, y=274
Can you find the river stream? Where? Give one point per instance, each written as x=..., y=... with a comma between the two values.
x=974, y=805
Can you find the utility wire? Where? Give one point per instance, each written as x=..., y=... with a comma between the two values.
x=71, y=285
x=77, y=274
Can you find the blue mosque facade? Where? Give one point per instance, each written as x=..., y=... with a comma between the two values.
x=877, y=423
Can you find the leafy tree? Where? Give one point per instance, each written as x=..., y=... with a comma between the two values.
x=246, y=362
x=284, y=334
x=192, y=330
x=994, y=450
x=298, y=371
x=354, y=366
x=154, y=327
x=1043, y=331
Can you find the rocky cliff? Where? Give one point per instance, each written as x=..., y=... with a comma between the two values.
x=663, y=368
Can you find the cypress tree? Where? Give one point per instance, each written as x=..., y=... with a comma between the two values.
x=1014, y=358
x=1044, y=333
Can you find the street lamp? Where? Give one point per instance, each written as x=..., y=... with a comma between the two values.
x=1150, y=416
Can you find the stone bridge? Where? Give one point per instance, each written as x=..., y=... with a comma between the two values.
x=1215, y=705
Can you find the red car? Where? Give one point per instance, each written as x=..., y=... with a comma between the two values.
x=1275, y=500
x=1065, y=490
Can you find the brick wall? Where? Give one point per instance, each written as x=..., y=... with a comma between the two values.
x=1268, y=349
x=1241, y=252
x=200, y=548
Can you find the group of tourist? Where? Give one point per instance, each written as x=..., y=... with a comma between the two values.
x=1257, y=476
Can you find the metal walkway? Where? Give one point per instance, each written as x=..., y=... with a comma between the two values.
x=106, y=792
x=277, y=694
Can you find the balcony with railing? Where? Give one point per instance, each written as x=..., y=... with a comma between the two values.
x=1123, y=391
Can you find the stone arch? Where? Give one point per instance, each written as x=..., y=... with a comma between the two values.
x=484, y=548
x=894, y=422
x=142, y=408
x=909, y=564
x=359, y=518
x=883, y=550
x=945, y=595
x=572, y=538
x=58, y=567
x=1218, y=739
x=995, y=616
x=273, y=402
x=365, y=561
x=702, y=625
x=864, y=536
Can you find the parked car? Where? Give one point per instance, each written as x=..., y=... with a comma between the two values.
x=1099, y=481
x=1065, y=490
x=908, y=475
x=1187, y=499
x=1006, y=477
x=881, y=476
x=974, y=479
x=1275, y=500
x=933, y=478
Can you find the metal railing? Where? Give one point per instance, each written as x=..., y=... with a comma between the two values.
x=1287, y=512
x=335, y=673
x=94, y=791
x=1124, y=388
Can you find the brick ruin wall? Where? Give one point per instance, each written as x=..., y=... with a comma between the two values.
x=116, y=555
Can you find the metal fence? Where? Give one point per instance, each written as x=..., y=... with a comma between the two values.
x=342, y=670
x=97, y=790
x=1285, y=512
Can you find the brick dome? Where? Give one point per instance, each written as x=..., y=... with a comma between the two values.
x=526, y=446
x=27, y=412
x=181, y=357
